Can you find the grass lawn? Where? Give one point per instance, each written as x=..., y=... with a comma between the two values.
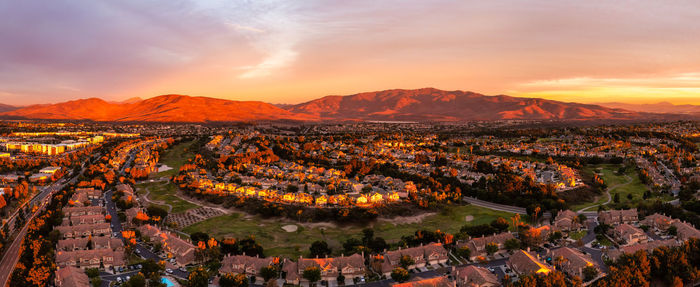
x=277, y=242
x=164, y=192
x=578, y=234
x=175, y=157
x=623, y=185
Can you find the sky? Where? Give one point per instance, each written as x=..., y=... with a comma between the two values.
x=294, y=51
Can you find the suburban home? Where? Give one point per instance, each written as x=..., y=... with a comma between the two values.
x=629, y=234
x=102, y=242
x=440, y=281
x=523, y=262
x=615, y=217
x=567, y=220
x=181, y=250
x=98, y=258
x=350, y=267
x=648, y=246
x=83, y=219
x=248, y=265
x=85, y=230
x=571, y=261
x=81, y=210
x=130, y=215
x=685, y=231
x=474, y=276
x=423, y=255
x=477, y=245
x=658, y=221
x=71, y=277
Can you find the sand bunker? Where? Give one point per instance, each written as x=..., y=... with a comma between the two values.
x=290, y=228
x=468, y=218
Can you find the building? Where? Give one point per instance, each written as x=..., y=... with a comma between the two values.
x=477, y=246
x=567, y=220
x=430, y=254
x=685, y=231
x=474, y=276
x=648, y=246
x=85, y=230
x=71, y=277
x=82, y=210
x=628, y=234
x=84, y=259
x=615, y=217
x=658, y=221
x=181, y=250
x=351, y=267
x=571, y=261
x=523, y=262
x=248, y=265
x=85, y=243
x=50, y=169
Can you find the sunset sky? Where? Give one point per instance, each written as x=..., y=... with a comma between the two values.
x=294, y=51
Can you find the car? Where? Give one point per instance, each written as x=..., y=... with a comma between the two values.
x=119, y=279
x=182, y=269
x=139, y=266
x=127, y=278
x=138, y=251
x=169, y=270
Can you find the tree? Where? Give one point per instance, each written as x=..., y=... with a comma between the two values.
x=406, y=261
x=501, y=224
x=199, y=277
x=199, y=236
x=233, y=280
x=672, y=230
x=400, y=274
x=312, y=273
x=491, y=248
x=616, y=198
x=137, y=280
x=268, y=272
x=96, y=281
x=319, y=249
x=92, y=272
x=512, y=244
x=341, y=279
x=589, y=272
x=464, y=252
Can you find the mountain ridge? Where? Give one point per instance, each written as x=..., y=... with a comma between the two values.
x=426, y=104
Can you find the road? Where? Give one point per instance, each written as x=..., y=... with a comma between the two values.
x=11, y=255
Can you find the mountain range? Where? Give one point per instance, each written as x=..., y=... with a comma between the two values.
x=426, y=104
x=6, y=108
x=662, y=107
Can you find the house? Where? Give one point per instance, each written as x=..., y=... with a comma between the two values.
x=685, y=231
x=629, y=234
x=477, y=246
x=71, y=277
x=50, y=169
x=181, y=250
x=474, y=276
x=83, y=219
x=131, y=213
x=351, y=267
x=73, y=244
x=248, y=265
x=440, y=281
x=423, y=255
x=567, y=220
x=81, y=210
x=84, y=259
x=648, y=246
x=40, y=177
x=523, y=262
x=658, y=221
x=571, y=261
x=615, y=217
x=85, y=230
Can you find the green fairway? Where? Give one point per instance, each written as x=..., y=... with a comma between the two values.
x=277, y=242
x=621, y=185
x=175, y=157
x=163, y=194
